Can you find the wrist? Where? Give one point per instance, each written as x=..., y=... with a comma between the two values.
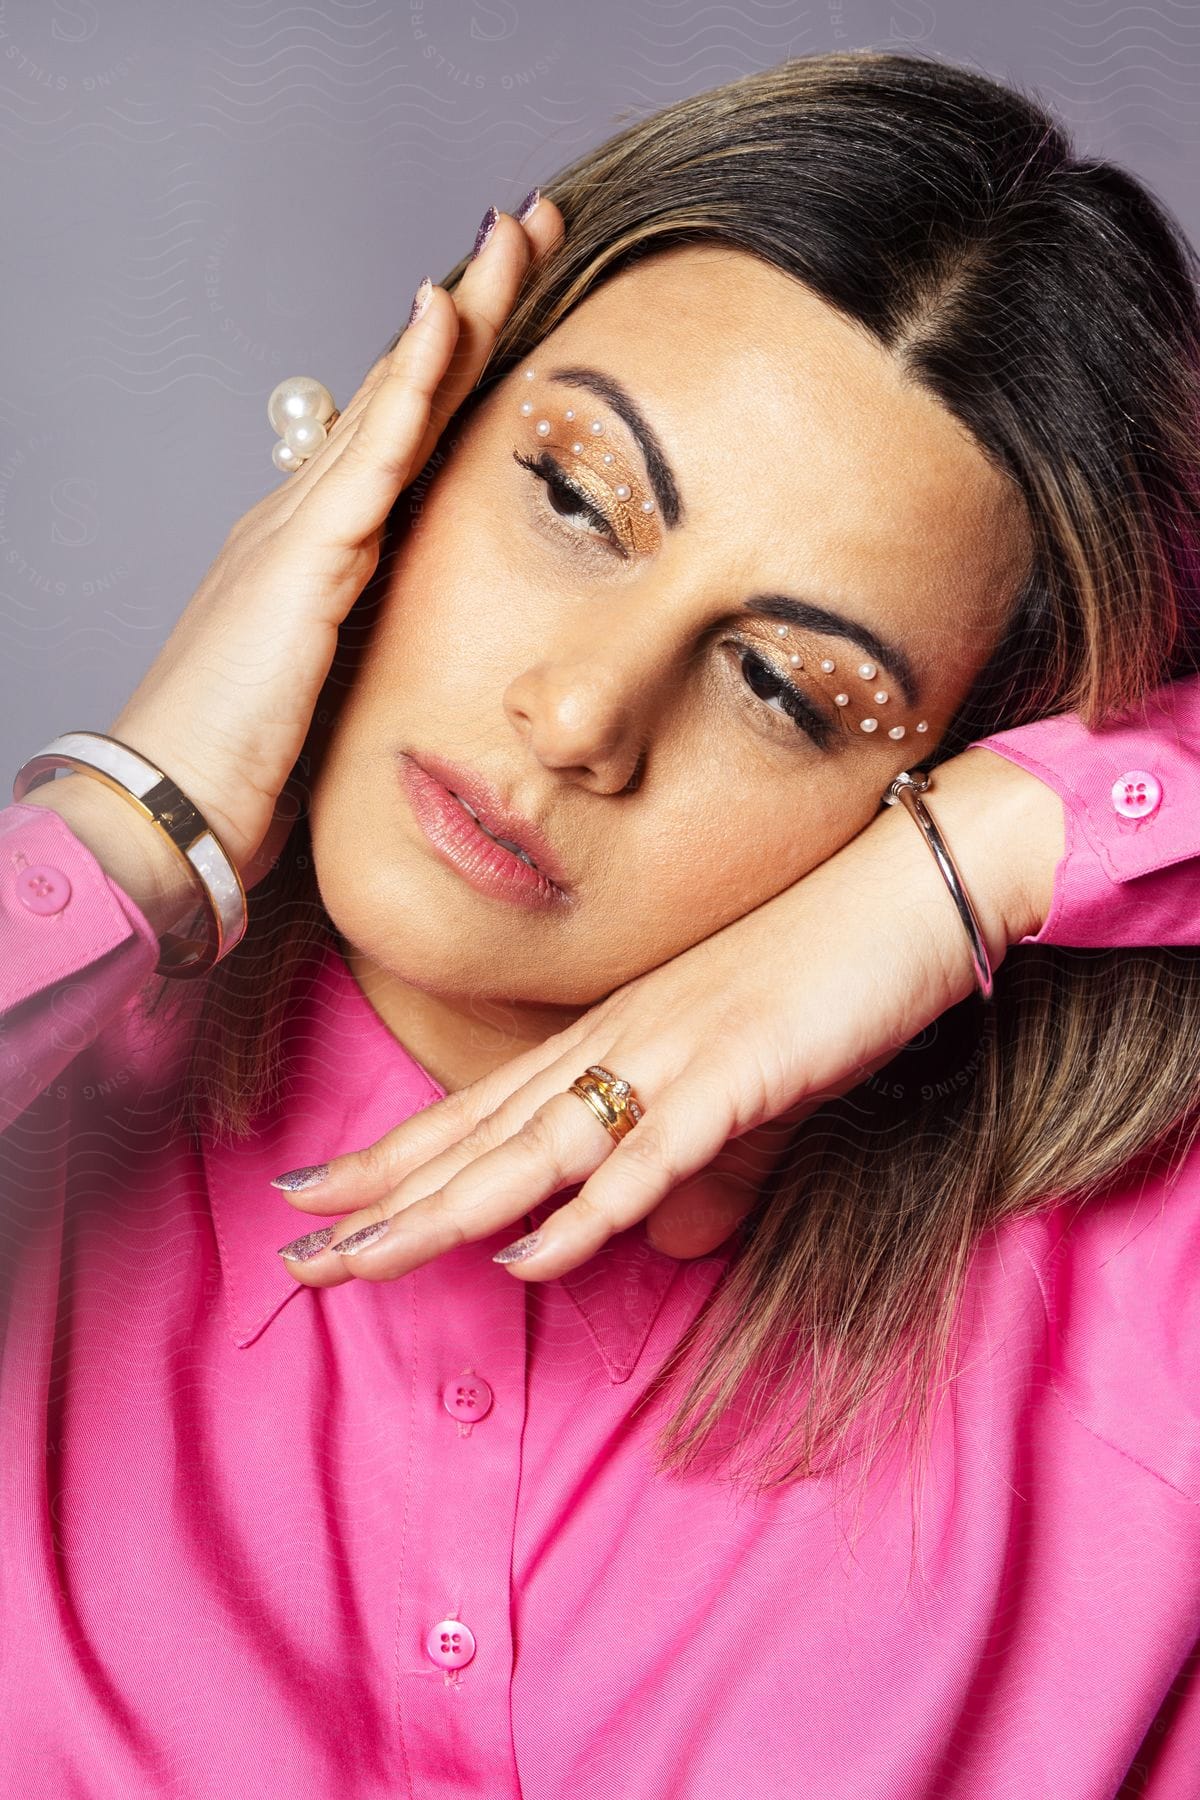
x=132, y=852
x=1006, y=830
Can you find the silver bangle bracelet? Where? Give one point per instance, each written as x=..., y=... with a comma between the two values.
x=908, y=789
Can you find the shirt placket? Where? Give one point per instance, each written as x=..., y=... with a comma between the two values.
x=454, y=1645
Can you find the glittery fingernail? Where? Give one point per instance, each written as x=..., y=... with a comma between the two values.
x=486, y=227
x=303, y=1249
x=358, y=1240
x=420, y=299
x=527, y=205
x=296, y=1180
x=520, y=1249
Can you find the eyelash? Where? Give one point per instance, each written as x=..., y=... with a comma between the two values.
x=546, y=469
x=553, y=476
x=795, y=702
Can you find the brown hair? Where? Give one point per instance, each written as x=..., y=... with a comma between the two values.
x=1050, y=303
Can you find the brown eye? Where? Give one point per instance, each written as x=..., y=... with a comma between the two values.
x=567, y=501
x=769, y=686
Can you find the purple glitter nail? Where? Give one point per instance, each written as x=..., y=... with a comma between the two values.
x=303, y=1249
x=358, y=1240
x=527, y=205
x=486, y=227
x=296, y=1180
x=520, y=1249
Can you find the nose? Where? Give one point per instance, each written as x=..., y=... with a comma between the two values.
x=585, y=714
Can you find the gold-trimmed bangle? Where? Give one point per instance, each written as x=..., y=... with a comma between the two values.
x=160, y=800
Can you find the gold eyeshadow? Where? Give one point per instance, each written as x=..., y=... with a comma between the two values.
x=606, y=474
x=600, y=465
x=866, y=710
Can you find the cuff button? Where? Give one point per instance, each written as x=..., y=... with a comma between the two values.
x=43, y=888
x=1136, y=794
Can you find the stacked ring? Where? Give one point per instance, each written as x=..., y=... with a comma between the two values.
x=610, y=1098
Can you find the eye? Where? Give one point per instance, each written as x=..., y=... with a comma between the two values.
x=782, y=696
x=567, y=501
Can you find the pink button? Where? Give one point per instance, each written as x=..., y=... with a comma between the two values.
x=469, y=1397
x=43, y=888
x=1136, y=794
x=450, y=1644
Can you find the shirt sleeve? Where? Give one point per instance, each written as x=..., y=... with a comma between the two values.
x=1130, y=871
x=74, y=947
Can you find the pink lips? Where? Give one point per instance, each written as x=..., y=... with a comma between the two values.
x=432, y=784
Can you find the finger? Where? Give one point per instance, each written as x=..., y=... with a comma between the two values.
x=677, y=1136
x=698, y=1214
x=484, y=297
x=557, y=1145
x=543, y=230
x=423, y=1151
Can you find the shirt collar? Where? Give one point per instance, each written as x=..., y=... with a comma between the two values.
x=348, y=1082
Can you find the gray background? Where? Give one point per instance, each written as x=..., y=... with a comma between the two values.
x=200, y=199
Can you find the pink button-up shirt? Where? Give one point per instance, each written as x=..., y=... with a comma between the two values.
x=404, y=1538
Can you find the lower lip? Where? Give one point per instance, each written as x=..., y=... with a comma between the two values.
x=484, y=864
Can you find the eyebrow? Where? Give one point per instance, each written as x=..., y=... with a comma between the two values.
x=805, y=614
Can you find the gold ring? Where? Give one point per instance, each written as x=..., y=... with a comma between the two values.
x=610, y=1098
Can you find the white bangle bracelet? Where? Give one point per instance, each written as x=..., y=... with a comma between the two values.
x=158, y=799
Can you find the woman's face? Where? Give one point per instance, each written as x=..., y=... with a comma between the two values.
x=616, y=668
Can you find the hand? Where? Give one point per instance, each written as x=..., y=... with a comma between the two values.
x=728, y=1045
x=226, y=707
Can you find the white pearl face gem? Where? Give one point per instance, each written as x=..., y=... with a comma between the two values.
x=794, y=659
x=867, y=670
x=841, y=699
x=578, y=449
x=543, y=428
x=781, y=631
x=868, y=724
x=622, y=492
x=828, y=665
x=597, y=426
x=647, y=506
x=880, y=697
x=529, y=374
x=570, y=413
x=897, y=731
x=923, y=726
x=608, y=456
x=527, y=407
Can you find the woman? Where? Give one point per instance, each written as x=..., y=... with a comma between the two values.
x=910, y=395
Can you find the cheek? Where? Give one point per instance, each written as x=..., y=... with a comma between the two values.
x=720, y=860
